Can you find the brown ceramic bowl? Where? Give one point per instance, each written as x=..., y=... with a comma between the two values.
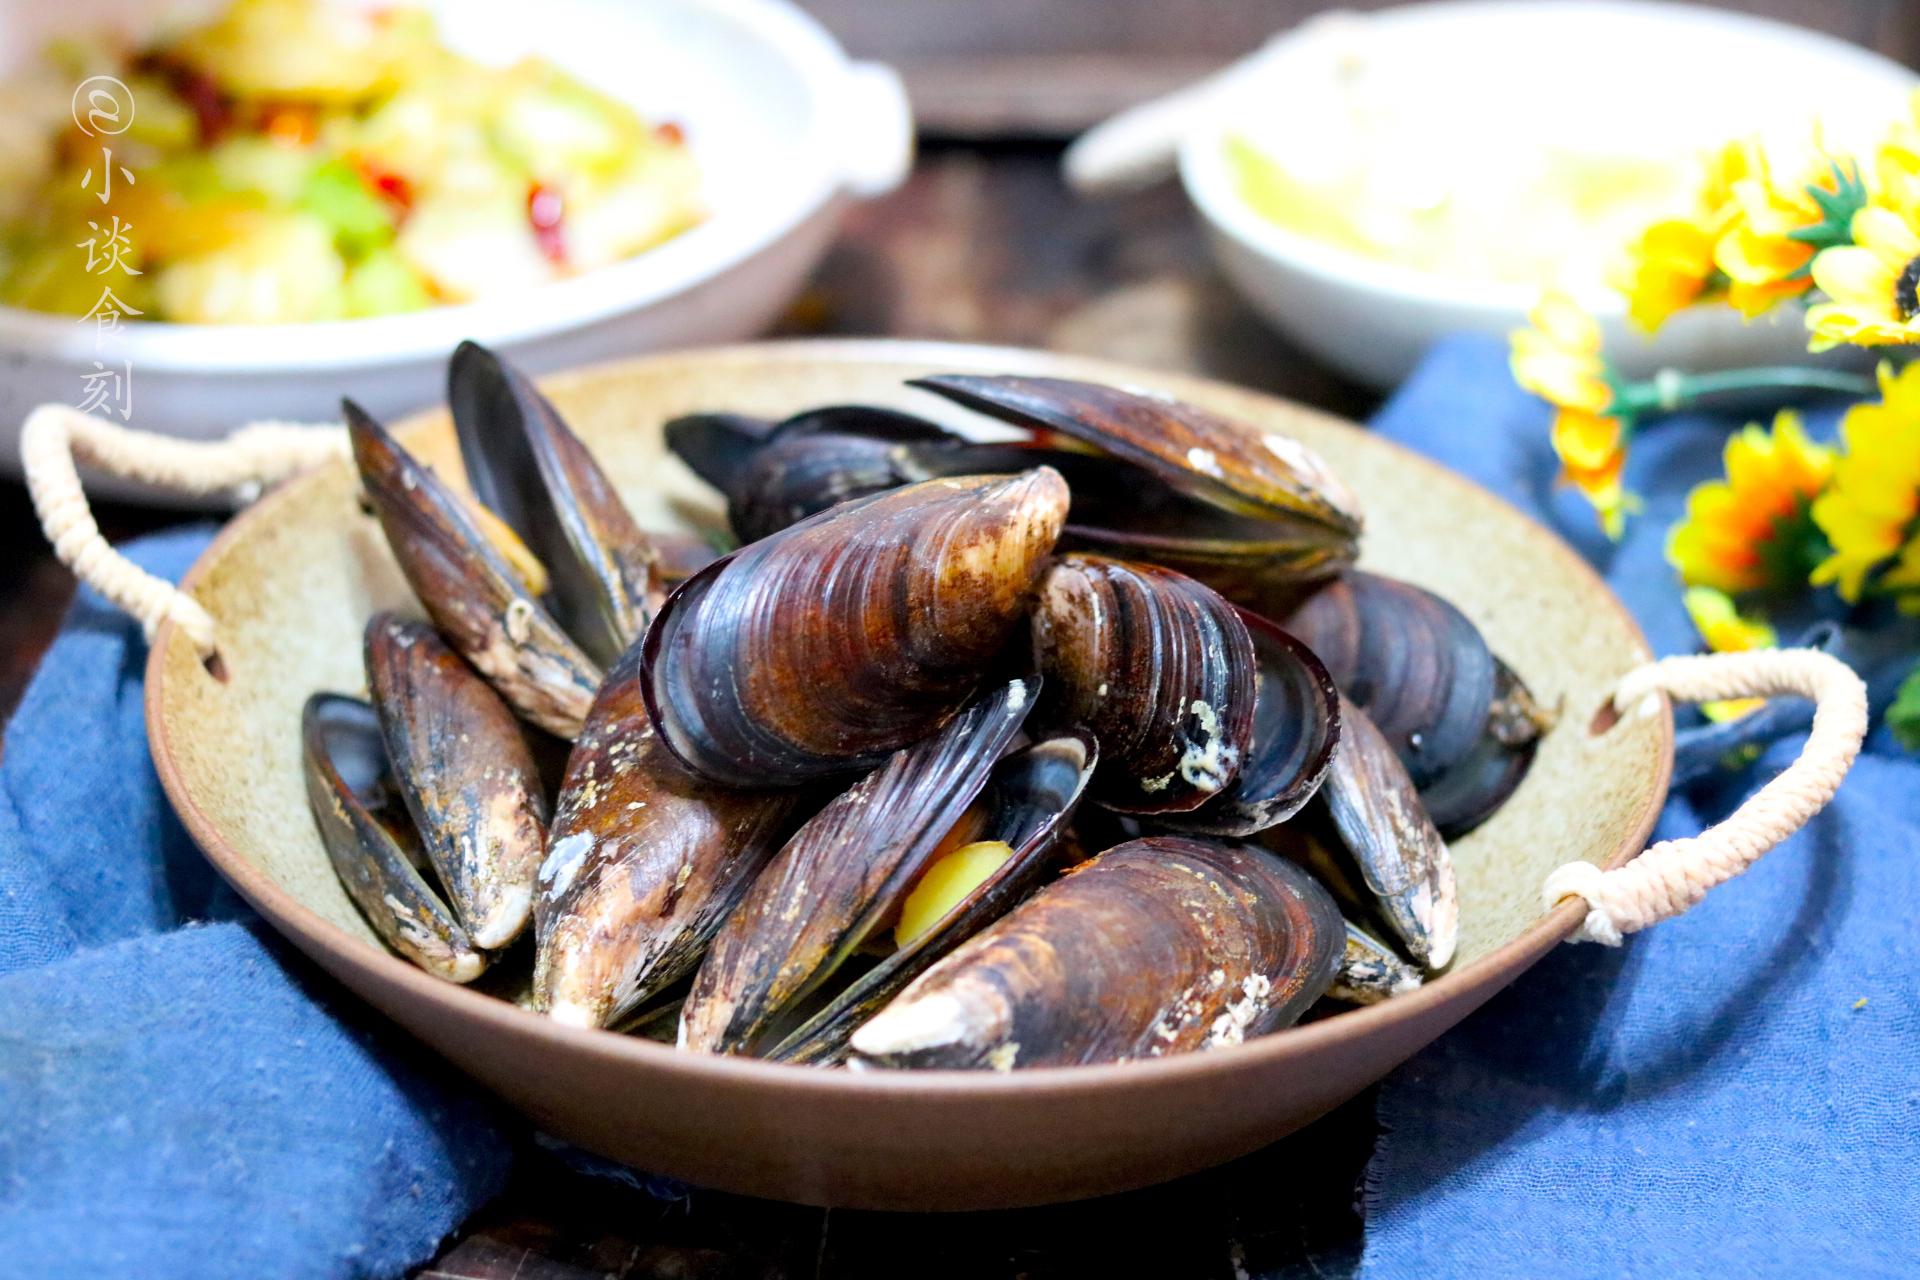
x=291, y=581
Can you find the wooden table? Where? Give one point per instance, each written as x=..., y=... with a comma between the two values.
x=983, y=244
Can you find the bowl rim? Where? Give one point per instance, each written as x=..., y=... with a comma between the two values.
x=1209, y=187
x=315, y=935
x=704, y=252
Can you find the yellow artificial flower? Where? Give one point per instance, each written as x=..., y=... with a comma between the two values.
x=1723, y=628
x=1871, y=283
x=1559, y=360
x=1767, y=247
x=1754, y=529
x=1668, y=269
x=1871, y=512
x=1897, y=165
x=1672, y=265
x=1592, y=449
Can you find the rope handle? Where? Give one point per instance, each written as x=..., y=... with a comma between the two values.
x=1673, y=875
x=57, y=437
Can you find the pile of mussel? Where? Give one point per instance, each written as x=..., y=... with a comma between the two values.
x=1085, y=745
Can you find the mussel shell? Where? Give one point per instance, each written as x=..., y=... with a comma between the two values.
x=821, y=649
x=481, y=605
x=1217, y=460
x=776, y=475
x=1027, y=804
x=1414, y=663
x=717, y=445
x=842, y=876
x=644, y=861
x=1370, y=971
x=1158, y=667
x=1296, y=729
x=373, y=849
x=528, y=467
x=462, y=766
x=1402, y=858
x=1471, y=789
x=1158, y=946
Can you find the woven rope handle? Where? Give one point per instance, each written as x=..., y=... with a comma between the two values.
x=57, y=437
x=1675, y=874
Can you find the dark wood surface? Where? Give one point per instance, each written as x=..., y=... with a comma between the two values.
x=982, y=244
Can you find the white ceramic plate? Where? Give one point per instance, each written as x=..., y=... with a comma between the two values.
x=783, y=126
x=1646, y=75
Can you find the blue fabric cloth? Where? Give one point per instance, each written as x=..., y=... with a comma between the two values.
x=1733, y=1093
x=180, y=1094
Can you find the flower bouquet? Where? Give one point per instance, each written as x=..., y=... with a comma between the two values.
x=1793, y=518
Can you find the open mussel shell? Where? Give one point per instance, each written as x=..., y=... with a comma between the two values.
x=819, y=650
x=1261, y=505
x=1370, y=971
x=1296, y=729
x=527, y=466
x=1158, y=946
x=1414, y=663
x=1158, y=667
x=1372, y=805
x=644, y=861
x=843, y=875
x=463, y=768
x=372, y=845
x=1027, y=804
x=1226, y=463
x=483, y=606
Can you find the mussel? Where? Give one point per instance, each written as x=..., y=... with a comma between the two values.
x=1209, y=717
x=1369, y=841
x=1242, y=509
x=1005, y=843
x=948, y=819
x=525, y=465
x=1460, y=721
x=371, y=842
x=1372, y=805
x=1370, y=971
x=644, y=861
x=1296, y=727
x=1157, y=667
x=821, y=649
x=777, y=474
x=544, y=578
x=1253, y=513
x=435, y=774
x=465, y=772
x=1157, y=946
x=1467, y=792
x=484, y=605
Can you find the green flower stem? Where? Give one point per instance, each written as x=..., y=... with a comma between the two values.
x=1671, y=390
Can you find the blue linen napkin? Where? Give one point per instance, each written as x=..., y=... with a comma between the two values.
x=1736, y=1092
x=180, y=1094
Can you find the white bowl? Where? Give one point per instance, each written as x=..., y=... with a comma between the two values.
x=1662, y=73
x=784, y=129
